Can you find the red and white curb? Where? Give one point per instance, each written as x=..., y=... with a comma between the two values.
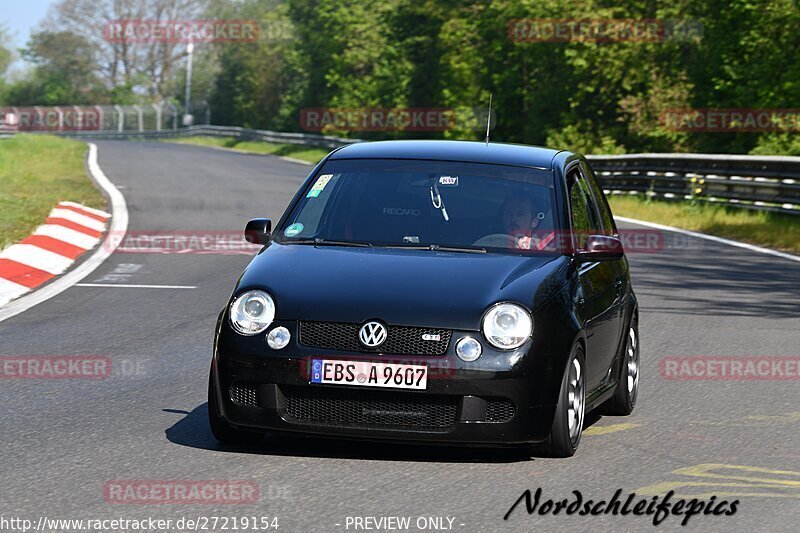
x=117, y=226
x=69, y=231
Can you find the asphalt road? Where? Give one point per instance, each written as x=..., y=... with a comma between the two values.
x=62, y=440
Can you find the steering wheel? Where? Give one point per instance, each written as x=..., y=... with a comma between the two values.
x=494, y=240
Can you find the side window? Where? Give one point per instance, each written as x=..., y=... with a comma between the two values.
x=600, y=200
x=585, y=218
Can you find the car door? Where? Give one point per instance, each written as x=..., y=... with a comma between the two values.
x=620, y=267
x=596, y=294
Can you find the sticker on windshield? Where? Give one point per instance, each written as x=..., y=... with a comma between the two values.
x=319, y=186
x=293, y=230
x=448, y=181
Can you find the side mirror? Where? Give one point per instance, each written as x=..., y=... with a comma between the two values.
x=258, y=231
x=599, y=247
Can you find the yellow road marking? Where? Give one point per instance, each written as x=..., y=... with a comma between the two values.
x=774, y=483
x=751, y=421
x=742, y=490
x=707, y=470
x=605, y=430
x=789, y=417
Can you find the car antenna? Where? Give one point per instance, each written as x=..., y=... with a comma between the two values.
x=489, y=119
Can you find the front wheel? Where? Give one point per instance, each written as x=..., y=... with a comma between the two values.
x=565, y=434
x=624, y=399
x=220, y=428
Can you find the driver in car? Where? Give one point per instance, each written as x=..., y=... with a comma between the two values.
x=520, y=224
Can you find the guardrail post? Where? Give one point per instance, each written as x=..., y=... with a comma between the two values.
x=158, y=115
x=120, y=118
x=174, y=115
x=100, y=117
x=60, y=118
x=140, y=117
x=77, y=122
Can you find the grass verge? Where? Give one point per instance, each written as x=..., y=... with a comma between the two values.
x=296, y=151
x=771, y=230
x=37, y=172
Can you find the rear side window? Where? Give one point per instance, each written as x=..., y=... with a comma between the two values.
x=585, y=218
x=600, y=200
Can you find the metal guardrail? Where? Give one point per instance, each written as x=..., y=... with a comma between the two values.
x=308, y=139
x=762, y=183
x=6, y=130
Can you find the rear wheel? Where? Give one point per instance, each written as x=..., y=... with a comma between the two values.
x=624, y=399
x=220, y=427
x=565, y=434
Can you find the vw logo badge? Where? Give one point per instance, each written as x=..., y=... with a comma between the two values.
x=372, y=334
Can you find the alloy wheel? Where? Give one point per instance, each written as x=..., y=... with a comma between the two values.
x=576, y=400
x=632, y=360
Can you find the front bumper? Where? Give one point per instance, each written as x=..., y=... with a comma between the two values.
x=503, y=398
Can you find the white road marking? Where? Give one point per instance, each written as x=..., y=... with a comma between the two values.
x=293, y=160
x=119, y=225
x=10, y=290
x=70, y=236
x=77, y=218
x=36, y=257
x=124, y=286
x=88, y=209
x=729, y=242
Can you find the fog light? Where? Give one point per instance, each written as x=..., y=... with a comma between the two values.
x=278, y=338
x=468, y=349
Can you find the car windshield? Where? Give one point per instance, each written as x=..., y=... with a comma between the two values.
x=426, y=204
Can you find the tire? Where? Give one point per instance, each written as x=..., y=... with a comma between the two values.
x=221, y=429
x=565, y=434
x=627, y=391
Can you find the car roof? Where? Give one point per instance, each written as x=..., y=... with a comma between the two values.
x=467, y=151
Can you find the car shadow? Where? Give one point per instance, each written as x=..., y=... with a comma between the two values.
x=193, y=431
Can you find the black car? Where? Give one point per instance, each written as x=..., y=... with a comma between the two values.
x=432, y=291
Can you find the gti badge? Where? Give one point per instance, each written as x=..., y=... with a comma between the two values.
x=431, y=337
x=372, y=334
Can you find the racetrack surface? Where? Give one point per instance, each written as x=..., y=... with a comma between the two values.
x=62, y=440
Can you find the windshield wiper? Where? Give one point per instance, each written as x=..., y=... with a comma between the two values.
x=439, y=248
x=325, y=242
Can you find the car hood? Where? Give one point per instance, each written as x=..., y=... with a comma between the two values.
x=402, y=287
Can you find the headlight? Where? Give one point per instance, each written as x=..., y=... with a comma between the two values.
x=252, y=312
x=507, y=326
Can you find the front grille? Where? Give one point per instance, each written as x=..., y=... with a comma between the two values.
x=499, y=410
x=400, y=339
x=244, y=394
x=374, y=409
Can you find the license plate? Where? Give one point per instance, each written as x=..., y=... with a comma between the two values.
x=369, y=374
